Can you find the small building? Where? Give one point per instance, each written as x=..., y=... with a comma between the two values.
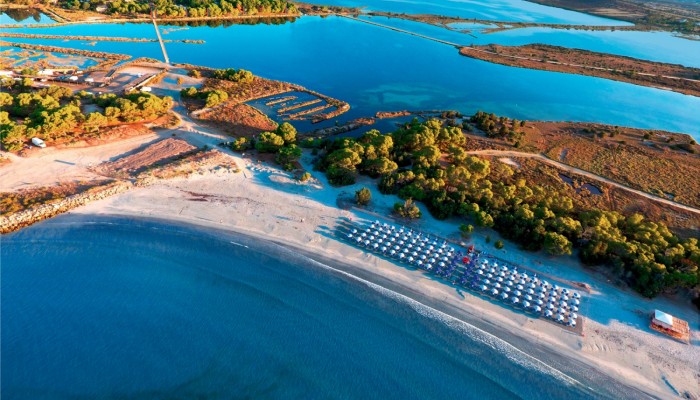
x=671, y=326
x=146, y=89
x=6, y=73
x=101, y=8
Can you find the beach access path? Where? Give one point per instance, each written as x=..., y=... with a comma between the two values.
x=587, y=174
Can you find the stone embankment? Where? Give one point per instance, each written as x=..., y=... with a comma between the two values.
x=18, y=220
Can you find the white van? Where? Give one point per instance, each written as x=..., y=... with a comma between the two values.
x=38, y=142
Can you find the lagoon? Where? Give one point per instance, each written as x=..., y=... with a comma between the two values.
x=376, y=69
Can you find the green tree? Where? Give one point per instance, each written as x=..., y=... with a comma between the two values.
x=363, y=196
x=288, y=132
x=269, y=142
x=287, y=155
x=407, y=209
x=557, y=244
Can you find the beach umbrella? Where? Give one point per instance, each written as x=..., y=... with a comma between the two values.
x=576, y=302
x=380, y=240
x=507, y=289
x=354, y=231
x=574, y=308
x=550, y=306
x=517, y=293
x=504, y=295
x=494, y=292
x=572, y=323
x=538, y=309
x=565, y=291
x=528, y=297
x=367, y=242
x=480, y=272
x=541, y=295
x=497, y=285
x=500, y=279
x=520, y=287
x=432, y=260
x=423, y=257
x=429, y=266
x=560, y=318
x=548, y=313
x=401, y=255
x=526, y=304
x=349, y=235
x=530, y=292
x=410, y=259
x=392, y=252
x=375, y=245
x=484, y=288
x=419, y=262
x=576, y=295
x=565, y=297
x=383, y=249
x=510, y=283
x=486, y=281
x=415, y=254
x=573, y=315
x=563, y=304
x=561, y=310
x=490, y=275
x=532, y=286
x=358, y=239
x=539, y=302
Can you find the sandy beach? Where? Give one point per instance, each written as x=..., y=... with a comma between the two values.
x=265, y=202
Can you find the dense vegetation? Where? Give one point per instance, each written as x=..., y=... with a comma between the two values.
x=54, y=113
x=281, y=142
x=426, y=162
x=188, y=8
x=210, y=97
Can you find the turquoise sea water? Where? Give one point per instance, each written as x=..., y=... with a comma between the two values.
x=375, y=69
x=113, y=308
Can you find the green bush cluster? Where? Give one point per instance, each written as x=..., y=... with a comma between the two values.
x=54, y=113
x=426, y=162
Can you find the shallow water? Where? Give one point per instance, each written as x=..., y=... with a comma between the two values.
x=113, y=308
x=496, y=10
x=382, y=70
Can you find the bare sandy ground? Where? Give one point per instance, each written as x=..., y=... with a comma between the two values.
x=265, y=202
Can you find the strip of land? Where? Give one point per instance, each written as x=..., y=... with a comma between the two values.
x=93, y=38
x=673, y=77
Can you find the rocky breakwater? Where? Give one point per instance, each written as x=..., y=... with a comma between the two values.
x=20, y=219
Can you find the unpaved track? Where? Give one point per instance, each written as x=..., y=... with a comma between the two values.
x=587, y=174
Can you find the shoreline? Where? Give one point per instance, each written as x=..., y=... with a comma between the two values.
x=557, y=364
x=304, y=224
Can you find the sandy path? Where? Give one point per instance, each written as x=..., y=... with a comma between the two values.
x=566, y=167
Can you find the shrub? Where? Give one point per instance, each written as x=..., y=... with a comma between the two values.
x=407, y=209
x=498, y=244
x=269, y=142
x=363, y=196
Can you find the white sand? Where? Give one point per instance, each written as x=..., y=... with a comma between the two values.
x=265, y=202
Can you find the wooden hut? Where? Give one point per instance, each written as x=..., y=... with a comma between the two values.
x=671, y=326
